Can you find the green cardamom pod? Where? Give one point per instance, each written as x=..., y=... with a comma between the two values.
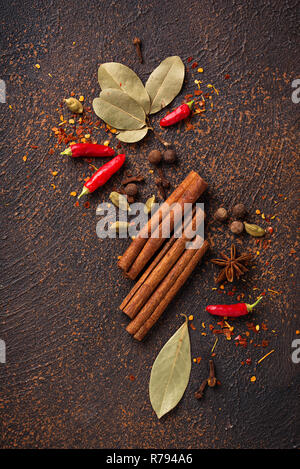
x=119, y=201
x=149, y=204
x=254, y=230
x=74, y=105
x=119, y=226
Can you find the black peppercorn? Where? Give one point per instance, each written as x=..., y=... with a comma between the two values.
x=131, y=189
x=221, y=214
x=239, y=211
x=155, y=157
x=237, y=227
x=169, y=156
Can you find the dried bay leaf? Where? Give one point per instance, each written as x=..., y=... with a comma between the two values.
x=170, y=372
x=132, y=136
x=119, y=110
x=165, y=82
x=118, y=76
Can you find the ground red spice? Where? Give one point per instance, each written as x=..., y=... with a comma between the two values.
x=227, y=76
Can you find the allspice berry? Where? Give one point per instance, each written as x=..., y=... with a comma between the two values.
x=239, y=211
x=155, y=157
x=237, y=227
x=169, y=156
x=131, y=189
x=221, y=214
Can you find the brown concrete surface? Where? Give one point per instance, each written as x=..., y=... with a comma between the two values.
x=66, y=383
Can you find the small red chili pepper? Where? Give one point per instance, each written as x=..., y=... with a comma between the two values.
x=180, y=113
x=233, y=311
x=102, y=175
x=88, y=149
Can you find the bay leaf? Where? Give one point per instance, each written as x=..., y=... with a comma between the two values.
x=118, y=76
x=119, y=110
x=132, y=136
x=165, y=82
x=170, y=372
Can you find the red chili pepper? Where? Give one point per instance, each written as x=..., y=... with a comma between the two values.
x=102, y=175
x=88, y=149
x=233, y=311
x=180, y=113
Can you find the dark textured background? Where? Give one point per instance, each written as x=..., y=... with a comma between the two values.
x=66, y=382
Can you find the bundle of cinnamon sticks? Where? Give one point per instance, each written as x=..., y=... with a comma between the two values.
x=174, y=262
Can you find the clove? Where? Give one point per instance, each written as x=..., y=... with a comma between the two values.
x=161, y=188
x=137, y=42
x=199, y=393
x=163, y=179
x=212, y=380
x=130, y=179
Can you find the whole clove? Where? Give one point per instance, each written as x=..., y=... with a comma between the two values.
x=137, y=43
x=130, y=179
x=212, y=380
x=161, y=188
x=199, y=393
x=164, y=180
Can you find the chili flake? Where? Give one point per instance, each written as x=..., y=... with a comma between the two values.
x=253, y=379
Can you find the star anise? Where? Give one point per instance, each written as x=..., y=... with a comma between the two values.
x=233, y=266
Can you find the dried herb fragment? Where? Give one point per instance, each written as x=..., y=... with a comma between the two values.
x=233, y=266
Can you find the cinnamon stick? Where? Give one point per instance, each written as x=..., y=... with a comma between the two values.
x=163, y=267
x=139, y=242
x=153, y=243
x=169, y=243
x=167, y=291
